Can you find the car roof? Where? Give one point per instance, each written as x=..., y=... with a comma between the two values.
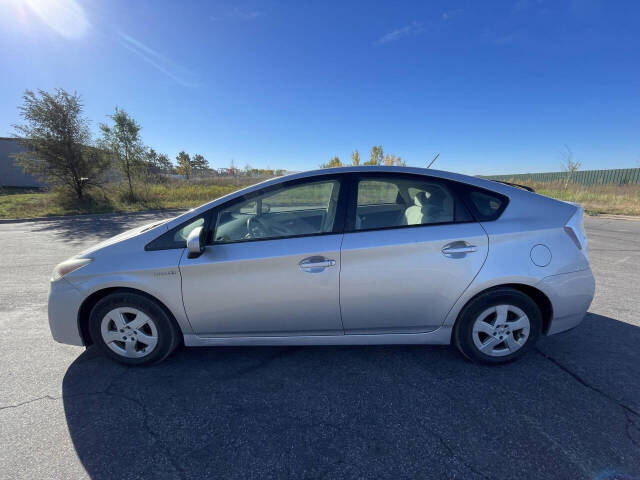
x=458, y=177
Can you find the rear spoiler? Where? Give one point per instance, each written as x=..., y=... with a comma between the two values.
x=517, y=185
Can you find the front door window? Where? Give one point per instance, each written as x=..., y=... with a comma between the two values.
x=289, y=211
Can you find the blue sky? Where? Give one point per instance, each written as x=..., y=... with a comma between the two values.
x=495, y=87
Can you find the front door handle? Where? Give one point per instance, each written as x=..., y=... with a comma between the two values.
x=458, y=248
x=316, y=264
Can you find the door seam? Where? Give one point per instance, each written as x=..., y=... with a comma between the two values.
x=344, y=332
x=184, y=307
x=472, y=280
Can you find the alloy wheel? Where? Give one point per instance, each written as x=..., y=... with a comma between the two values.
x=501, y=330
x=129, y=332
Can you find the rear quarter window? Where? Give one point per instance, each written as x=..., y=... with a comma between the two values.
x=486, y=205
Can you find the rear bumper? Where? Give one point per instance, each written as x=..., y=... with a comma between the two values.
x=571, y=295
x=64, y=304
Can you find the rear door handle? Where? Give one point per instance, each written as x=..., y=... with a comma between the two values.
x=458, y=248
x=316, y=264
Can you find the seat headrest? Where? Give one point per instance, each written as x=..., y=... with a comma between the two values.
x=420, y=199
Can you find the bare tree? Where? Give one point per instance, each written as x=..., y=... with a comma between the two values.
x=570, y=165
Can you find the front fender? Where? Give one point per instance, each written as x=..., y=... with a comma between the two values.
x=162, y=284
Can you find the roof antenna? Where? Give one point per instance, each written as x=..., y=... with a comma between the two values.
x=434, y=159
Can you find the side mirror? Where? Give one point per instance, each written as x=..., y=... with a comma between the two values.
x=195, y=243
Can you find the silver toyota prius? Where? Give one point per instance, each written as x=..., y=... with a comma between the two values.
x=346, y=256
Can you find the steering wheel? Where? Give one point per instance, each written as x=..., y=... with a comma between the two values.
x=256, y=228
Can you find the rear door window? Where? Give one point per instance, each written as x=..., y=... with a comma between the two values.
x=388, y=201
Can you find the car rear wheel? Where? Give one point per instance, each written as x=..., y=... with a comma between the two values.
x=498, y=326
x=133, y=329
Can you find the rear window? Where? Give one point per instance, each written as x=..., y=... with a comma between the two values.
x=486, y=205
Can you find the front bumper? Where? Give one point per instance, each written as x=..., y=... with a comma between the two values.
x=64, y=304
x=571, y=295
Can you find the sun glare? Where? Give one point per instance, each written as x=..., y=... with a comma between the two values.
x=65, y=17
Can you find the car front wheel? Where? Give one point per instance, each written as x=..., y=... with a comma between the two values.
x=133, y=329
x=498, y=326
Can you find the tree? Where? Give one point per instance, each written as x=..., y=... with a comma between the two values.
x=334, y=162
x=391, y=160
x=58, y=142
x=199, y=164
x=570, y=165
x=123, y=142
x=376, y=157
x=158, y=162
x=355, y=157
x=185, y=166
x=165, y=163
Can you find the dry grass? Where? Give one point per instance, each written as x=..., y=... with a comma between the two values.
x=597, y=199
x=174, y=194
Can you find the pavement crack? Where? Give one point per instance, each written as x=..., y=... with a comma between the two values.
x=633, y=429
x=455, y=455
x=109, y=392
x=259, y=365
x=629, y=412
x=27, y=402
x=147, y=428
x=49, y=397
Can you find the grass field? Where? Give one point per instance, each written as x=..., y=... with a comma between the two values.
x=596, y=199
x=18, y=203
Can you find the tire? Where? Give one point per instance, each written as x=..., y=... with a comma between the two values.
x=482, y=334
x=133, y=329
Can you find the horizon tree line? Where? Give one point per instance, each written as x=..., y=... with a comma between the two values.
x=376, y=157
x=60, y=148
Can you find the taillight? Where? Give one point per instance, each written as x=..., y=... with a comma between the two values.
x=573, y=236
x=575, y=229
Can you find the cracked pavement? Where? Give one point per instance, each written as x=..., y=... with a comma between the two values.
x=569, y=410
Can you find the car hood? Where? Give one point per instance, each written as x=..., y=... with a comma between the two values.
x=134, y=232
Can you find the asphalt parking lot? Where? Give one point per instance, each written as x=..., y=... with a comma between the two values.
x=568, y=410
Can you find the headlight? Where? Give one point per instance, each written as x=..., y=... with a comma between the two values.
x=69, y=266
